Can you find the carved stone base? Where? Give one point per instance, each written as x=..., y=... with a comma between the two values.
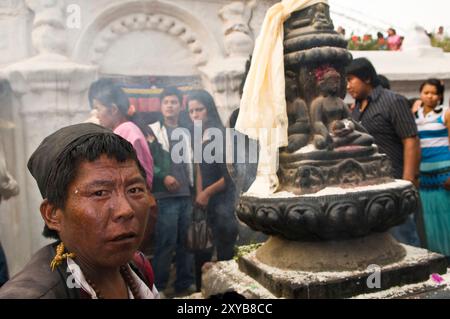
x=416, y=266
x=333, y=213
x=408, y=278
x=353, y=166
x=327, y=256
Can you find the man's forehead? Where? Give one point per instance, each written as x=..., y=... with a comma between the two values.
x=107, y=166
x=171, y=97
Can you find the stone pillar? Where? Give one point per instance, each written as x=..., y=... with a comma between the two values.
x=47, y=97
x=227, y=73
x=49, y=92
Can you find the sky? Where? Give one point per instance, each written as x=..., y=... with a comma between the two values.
x=380, y=14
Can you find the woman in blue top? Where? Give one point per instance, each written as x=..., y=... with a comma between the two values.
x=433, y=122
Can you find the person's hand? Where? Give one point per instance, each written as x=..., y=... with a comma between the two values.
x=447, y=184
x=171, y=184
x=202, y=199
x=416, y=106
x=412, y=179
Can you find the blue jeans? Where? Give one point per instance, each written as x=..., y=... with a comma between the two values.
x=3, y=267
x=406, y=233
x=174, y=218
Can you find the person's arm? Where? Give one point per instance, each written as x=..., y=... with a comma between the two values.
x=145, y=157
x=204, y=196
x=447, y=123
x=198, y=180
x=405, y=126
x=411, y=159
x=161, y=167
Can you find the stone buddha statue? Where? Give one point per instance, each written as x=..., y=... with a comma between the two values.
x=333, y=126
x=326, y=147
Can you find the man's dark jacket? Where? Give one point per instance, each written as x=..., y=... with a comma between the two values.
x=38, y=281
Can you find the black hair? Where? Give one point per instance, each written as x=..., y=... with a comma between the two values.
x=248, y=63
x=172, y=91
x=108, y=93
x=233, y=118
x=144, y=119
x=393, y=30
x=384, y=81
x=207, y=100
x=68, y=162
x=439, y=85
x=363, y=69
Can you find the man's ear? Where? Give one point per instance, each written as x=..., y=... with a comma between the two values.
x=51, y=215
x=115, y=109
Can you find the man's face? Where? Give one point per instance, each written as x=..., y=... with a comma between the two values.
x=170, y=106
x=357, y=88
x=106, y=212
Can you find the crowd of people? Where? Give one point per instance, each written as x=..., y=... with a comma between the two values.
x=122, y=193
x=414, y=134
x=107, y=188
x=391, y=41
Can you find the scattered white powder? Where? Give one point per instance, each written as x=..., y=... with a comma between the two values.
x=337, y=190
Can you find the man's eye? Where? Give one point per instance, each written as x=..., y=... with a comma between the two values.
x=136, y=190
x=99, y=193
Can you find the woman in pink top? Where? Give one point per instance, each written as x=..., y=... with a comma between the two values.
x=394, y=41
x=113, y=111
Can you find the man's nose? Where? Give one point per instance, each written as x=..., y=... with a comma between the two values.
x=123, y=209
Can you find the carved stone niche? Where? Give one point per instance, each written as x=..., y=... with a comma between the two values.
x=307, y=176
x=334, y=150
x=310, y=41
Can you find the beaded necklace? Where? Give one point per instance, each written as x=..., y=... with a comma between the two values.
x=130, y=282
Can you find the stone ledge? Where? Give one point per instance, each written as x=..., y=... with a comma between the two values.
x=417, y=266
x=409, y=278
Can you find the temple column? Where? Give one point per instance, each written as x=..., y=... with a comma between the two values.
x=49, y=91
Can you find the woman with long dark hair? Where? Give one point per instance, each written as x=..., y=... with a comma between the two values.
x=214, y=190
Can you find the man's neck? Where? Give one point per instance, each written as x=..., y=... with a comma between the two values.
x=171, y=121
x=364, y=102
x=108, y=281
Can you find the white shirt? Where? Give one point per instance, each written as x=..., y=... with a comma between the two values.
x=77, y=280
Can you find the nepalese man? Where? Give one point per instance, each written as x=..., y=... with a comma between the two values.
x=387, y=117
x=96, y=204
x=172, y=186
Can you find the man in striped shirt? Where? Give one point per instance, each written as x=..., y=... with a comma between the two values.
x=388, y=118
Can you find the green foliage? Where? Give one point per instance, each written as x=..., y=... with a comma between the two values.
x=367, y=43
x=445, y=44
x=244, y=250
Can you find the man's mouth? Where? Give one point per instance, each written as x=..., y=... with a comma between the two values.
x=124, y=236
